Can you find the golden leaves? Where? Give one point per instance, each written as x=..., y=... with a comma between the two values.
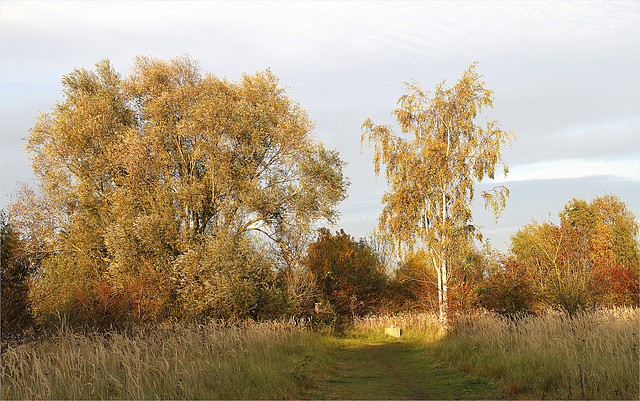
x=165, y=141
x=431, y=178
x=142, y=169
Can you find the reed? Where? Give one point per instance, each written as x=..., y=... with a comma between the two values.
x=241, y=361
x=593, y=355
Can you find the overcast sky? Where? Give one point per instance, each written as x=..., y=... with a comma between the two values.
x=566, y=77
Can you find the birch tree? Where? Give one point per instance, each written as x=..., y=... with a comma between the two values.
x=431, y=176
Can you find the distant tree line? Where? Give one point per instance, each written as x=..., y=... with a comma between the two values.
x=591, y=259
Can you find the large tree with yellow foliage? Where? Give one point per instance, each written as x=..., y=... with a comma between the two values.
x=431, y=177
x=147, y=176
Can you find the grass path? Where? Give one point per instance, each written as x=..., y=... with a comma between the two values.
x=395, y=369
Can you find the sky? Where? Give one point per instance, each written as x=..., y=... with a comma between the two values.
x=565, y=76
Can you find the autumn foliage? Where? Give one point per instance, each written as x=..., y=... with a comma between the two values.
x=507, y=288
x=160, y=194
x=169, y=194
x=431, y=175
x=348, y=273
x=590, y=259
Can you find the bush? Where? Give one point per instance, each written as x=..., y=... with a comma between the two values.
x=77, y=289
x=348, y=272
x=506, y=290
x=228, y=278
x=616, y=285
x=556, y=258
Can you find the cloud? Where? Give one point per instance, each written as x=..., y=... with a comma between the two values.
x=626, y=169
x=564, y=74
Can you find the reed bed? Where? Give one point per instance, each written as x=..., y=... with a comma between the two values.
x=217, y=361
x=593, y=355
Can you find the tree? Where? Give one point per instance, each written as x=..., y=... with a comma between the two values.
x=611, y=229
x=611, y=232
x=138, y=171
x=591, y=258
x=431, y=178
x=15, y=270
x=555, y=258
x=348, y=272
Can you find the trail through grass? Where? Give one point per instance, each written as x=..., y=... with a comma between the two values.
x=395, y=369
x=591, y=356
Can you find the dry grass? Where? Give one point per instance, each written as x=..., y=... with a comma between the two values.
x=413, y=325
x=242, y=361
x=592, y=356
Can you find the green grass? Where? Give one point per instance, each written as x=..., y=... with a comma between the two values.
x=394, y=369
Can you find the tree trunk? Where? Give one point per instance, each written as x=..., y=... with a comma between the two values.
x=443, y=288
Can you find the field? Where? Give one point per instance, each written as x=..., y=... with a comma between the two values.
x=592, y=356
x=241, y=361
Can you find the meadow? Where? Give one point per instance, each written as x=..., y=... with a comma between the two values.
x=593, y=355
x=246, y=360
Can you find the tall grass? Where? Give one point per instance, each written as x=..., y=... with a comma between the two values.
x=591, y=356
x=243, y=361
x=594, y=355
x=423, y=326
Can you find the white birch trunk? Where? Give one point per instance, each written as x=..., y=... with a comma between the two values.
x=443, y=289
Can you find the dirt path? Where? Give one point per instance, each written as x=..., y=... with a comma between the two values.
x=396, y=370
